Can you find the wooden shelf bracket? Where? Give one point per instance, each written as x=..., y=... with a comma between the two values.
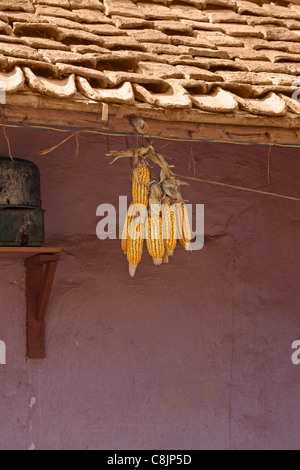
x=40, y=272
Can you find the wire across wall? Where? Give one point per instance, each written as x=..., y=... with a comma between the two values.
x=75, y=134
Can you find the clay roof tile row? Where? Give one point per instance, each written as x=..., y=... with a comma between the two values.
x=217, y=56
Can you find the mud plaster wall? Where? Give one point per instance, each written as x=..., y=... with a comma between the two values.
x=191, y=355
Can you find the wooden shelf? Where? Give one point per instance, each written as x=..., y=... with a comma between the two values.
x=40, y=264
x=20, y=252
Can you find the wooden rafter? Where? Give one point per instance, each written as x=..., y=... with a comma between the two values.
x=33, y=110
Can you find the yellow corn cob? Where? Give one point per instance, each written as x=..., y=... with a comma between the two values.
x=169, y=235
x=186, y=229
x=135, y=241
x=129, y=218
x=155, y=242
x=140, y=185
x=178, y=220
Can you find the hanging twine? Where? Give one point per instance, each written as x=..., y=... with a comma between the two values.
x=51, y=149
x=240, y=188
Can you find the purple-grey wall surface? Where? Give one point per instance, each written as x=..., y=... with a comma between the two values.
x=195, y=354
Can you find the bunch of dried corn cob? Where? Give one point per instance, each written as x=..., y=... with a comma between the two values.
x=176, y=214
x=167, y=218
x=134, y=227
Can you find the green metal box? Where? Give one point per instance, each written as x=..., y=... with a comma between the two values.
x=21, y=227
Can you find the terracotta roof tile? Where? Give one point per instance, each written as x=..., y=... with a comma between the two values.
x=251, y=7
x=18, y=5
x=68, y=57
x=289, y=47
x=217, y=64
x=67, y=36
x=159, y=70
x=11, y=39
x=244, y=90
x=225, y=16
x=188, y=13
x=123, y=8
x=175, y=98
x=44, y=43
x=149, y=35
x=116, y=78
x=279, y=34
x=196, y=73
x=54, y=3
x=44, y=10
x=37, y=66
x=126, y=22
x=5, y=28
x=245, y=77
x=258, y=20
x=222, y=3
x=93, y=4
x=202, y=26
x=246, y=53
x=154, y=11
x=183, y=60
x=162, y=58
x=62, y=22
x=219, y=101
x=122, y=42
x=221, y=56
x=261, y=91
x=57, y=88
x=276, y=56
x=295, y=5
x=270, y=104
x=240, y=30
x=87, y=48
x=67, y=69
x=92, y=16
x=256, y=44
x=123, y=94
x=292, y=24
x=120, y=60
x=196, y=3
x=12, y=81
x=173, y=27
x=268, y=67
x=204, y=52
x=199, y=41
x=36, y=30
x=160, y=48
x=194, y=86
x=102, y=29
x=220, y=39
x=18, y=50
x=11, y=16
x=280, y=12
x=282, y=79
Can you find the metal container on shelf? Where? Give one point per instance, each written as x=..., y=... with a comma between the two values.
x=19, y=184
x=21, y=214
